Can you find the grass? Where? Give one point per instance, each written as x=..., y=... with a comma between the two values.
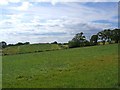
x=30, y=48
x=88, y=67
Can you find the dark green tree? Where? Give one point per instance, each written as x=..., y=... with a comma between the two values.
x=55, y=42
x=94, y=39
x=3, y=44
x=26, y=43
x=109, y=35
x=104, y=36
x=116, y=35
x=77, y=41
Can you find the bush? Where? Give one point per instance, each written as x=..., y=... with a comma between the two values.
x=87, y=43
x=73, y=44
x=19, y=43
x=26, y=43
x=55, y=42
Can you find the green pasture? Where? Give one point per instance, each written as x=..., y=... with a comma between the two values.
x=86, y=67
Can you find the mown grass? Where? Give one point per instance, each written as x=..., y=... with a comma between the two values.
x=88, y=67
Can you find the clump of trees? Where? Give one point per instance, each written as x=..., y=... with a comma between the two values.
x=104, y=36
x=108, y=35
x=79, y=40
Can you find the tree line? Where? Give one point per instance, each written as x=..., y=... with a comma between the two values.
x=107, y=35
x=79, y=40
x=3, y=44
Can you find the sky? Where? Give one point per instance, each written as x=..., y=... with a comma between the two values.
x=45, y=21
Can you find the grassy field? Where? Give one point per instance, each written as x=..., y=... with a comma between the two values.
x=88, y=67
x=30, y=48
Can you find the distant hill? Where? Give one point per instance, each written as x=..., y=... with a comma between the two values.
x=31, y=48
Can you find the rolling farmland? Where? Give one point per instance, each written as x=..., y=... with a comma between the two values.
x=87, y=67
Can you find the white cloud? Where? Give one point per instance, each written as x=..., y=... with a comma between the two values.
x=23, y=7
x=13, y=1
x=75, y=0
x=53, y=2
x=3, y=2
x=69, y=18
x=6, y=2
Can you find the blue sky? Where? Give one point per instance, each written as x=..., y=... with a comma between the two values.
x=37, y=21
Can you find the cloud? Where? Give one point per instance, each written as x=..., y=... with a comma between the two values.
x=53, y=2
x=74, y=1
x=23, y=7
x=3, y=2
x=13, y=1
x=6, y=2
x=43, y=22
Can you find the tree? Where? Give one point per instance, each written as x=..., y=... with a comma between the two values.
x=73, y=44
x=10, y=45
x=109, y=35
x=102, y=36
x=3, y=44
x=19, y=43
x=77, y=41
x=55, y=42
x=94, y=39
x=26, y=43
x=86, y=43
x=105, y=35
x=116, y=35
